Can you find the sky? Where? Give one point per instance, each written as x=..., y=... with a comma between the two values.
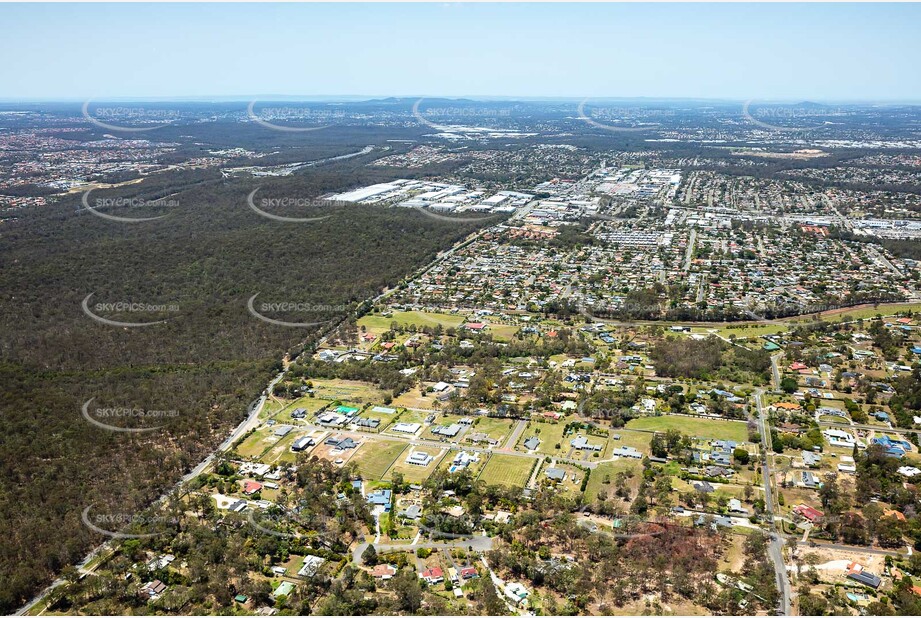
x=817, y=52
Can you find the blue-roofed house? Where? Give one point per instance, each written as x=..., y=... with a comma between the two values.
x=381, y=497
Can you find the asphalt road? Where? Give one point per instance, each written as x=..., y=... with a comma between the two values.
x=775, y=546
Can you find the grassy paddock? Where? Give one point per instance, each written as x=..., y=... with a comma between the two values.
x=374, y=458
x=697, y=427
x=507, y=470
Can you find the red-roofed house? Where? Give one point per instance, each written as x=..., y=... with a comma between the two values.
x=475, y=326
x=808, y=512
x=251, y=487
x=384, y=571
x=798, y=366
x=433, y=575
x=469, y=572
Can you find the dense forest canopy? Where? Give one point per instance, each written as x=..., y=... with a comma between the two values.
x=197, y=267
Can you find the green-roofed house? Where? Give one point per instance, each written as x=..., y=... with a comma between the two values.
x=770, y=346
x=284, y=589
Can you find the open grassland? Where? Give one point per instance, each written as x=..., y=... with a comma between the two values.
x=374, y=458
x=697, y=427
x=507, y=470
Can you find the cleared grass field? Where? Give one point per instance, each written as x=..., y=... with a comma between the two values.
x=311, y=404
x=773, y=328
x=507, y=470
x=257, y=443
x=608, y=470
x=349, y=391
x=374, y=458
x=637, y=439
x=405, y=318
x=504, y=332
x=412, y=473
x=550, y=435
x=698, y=427
x=497, y=428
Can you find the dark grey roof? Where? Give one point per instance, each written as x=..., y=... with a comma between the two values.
x=866, y=578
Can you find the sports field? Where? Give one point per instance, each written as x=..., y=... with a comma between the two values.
x=507, y=470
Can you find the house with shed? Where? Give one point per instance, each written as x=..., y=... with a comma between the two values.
x=310, y=566
x=581, y=443
x=556, y=475
x=858, y=573
x=807, y=512
x=302, y=443
x=383, y=571
x=433, y=575
x=419, y=458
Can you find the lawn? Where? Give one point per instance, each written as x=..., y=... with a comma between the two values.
x=698, y=427
x=507, y=470
x=281, y=450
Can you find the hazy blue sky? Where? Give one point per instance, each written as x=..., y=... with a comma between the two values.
x=819, y=52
